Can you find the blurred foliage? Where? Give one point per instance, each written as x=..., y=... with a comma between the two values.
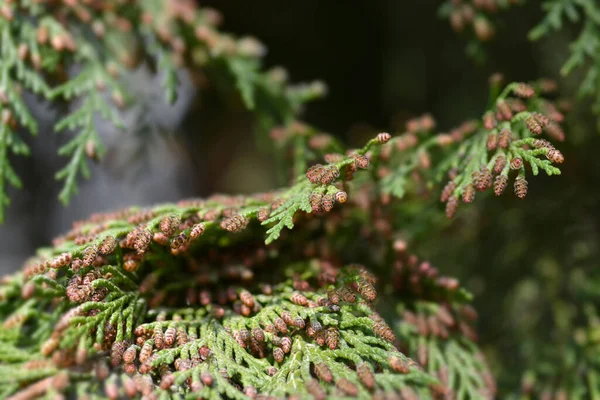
x=77, y=53
x=558, y=15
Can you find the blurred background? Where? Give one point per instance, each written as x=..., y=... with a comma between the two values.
x=383, y=61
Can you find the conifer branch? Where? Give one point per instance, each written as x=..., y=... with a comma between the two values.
x=46, y=42
x=214, y=298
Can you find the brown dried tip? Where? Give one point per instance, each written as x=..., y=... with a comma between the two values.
x=457, y=21
x=161, y=238
x=323, y=372
x=145, y=352
x=286, y=344
x=444, y=139
x=468, y=193
x=482, y=179
x=131, y=264
x=541, y=119
x=492, y=141
x=61, y=260
x=424, y=159
x=533, y=125
x=361, y=161
x=263, y=214
x=142, y=240
x=314, y=388
x=500, y=184
x=504, y=138
x=333, y=295
x=516, y=163
x=331, y=174
x=179, y=241
x=548, y=85
x=328, y=202
x=299, y=299
x=197, y=231
x=448, y=283
x=341, y=197
x=489, y=120
x=516, y=105
x=447, y=191
x=170, y=335
x=28, y=290
x=206, y=378
x=278, y=354
x=366, y=290
x=129, y=355
x=366, y=376
x=167, y=381
x=382, y=329
x=333, y=338
x=347, y=295
x=251, y=392
x=413, y=125
x=89, y=255
x=168, y=225
x=299, y=322
x=116, y=353
x=399, y=365
x=237, y=223
x=332, y=158
x=520, y=187
x=426, y=122
x=280, y=325
x=524, y=90
x=247, y=298
x=315, y=201
x=555, y=156
x=451, y=206
x=504, y=110
x=383, y=137
x=539, y=143
x=485, y=179
x=499, y=164
x=347, y=387
x=496, y=79
x=484, y=30
x=258, y=334
x=555, y=131
x=314, y=173
x=108, y=245
x=320, y=174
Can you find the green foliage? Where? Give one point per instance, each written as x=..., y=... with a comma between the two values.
x=87, y=142
x=298, y=197
x=283, y=216
x=313, y=332
x=273, y=319
x=502, y=141
x=564, y=359
x=9, y=142
x=76, y=54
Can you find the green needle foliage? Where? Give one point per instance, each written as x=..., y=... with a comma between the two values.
x=229, y=332
x=184, y=301
x=307, y=291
